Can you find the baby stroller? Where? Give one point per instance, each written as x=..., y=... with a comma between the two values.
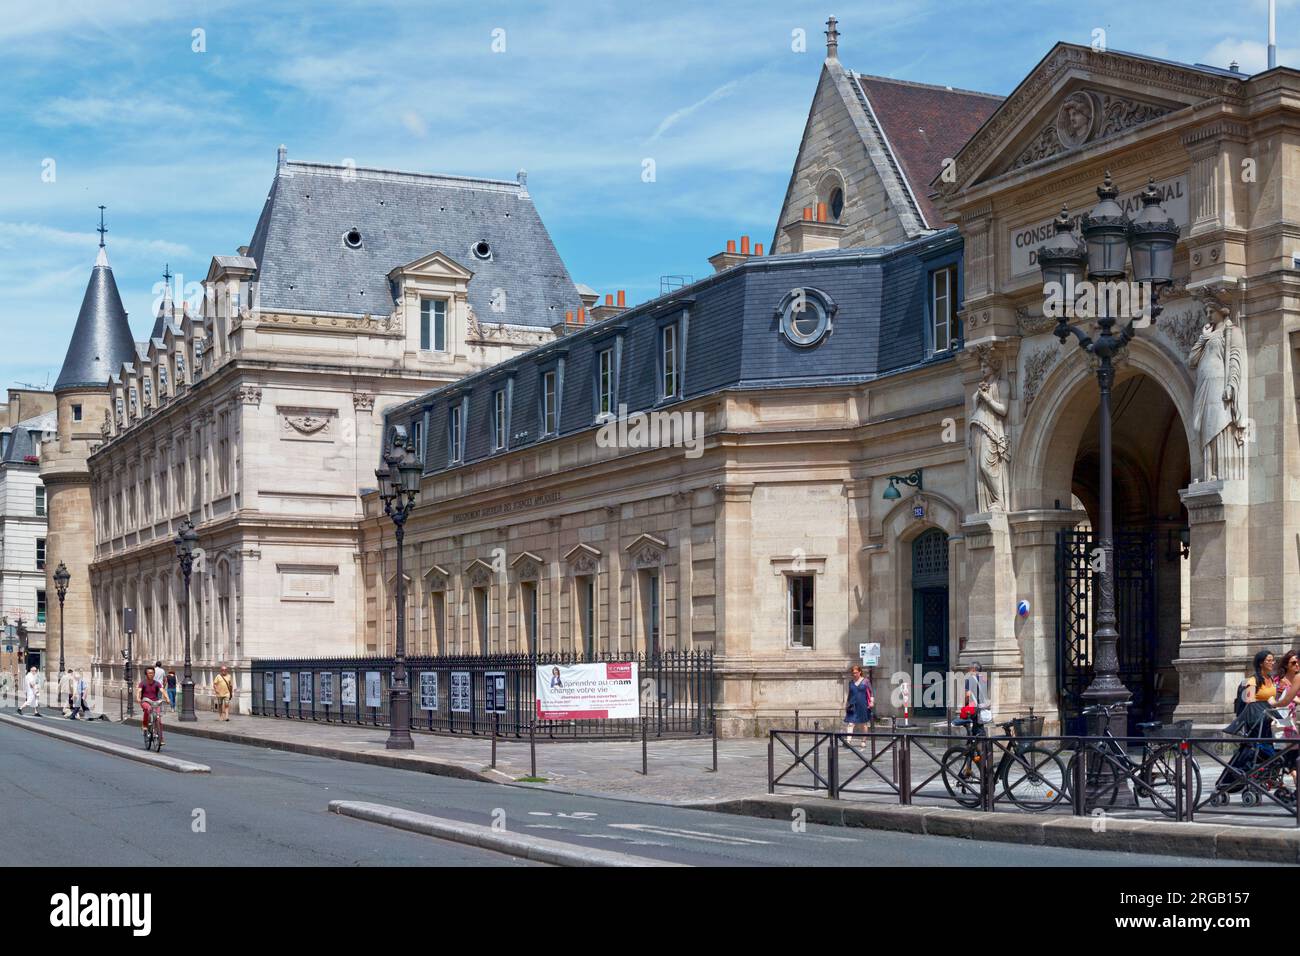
x=1256, y=761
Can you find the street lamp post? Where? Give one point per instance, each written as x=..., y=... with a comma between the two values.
x=1109, y=238
x=399, y=483
x=61, y=579
x=185, y=540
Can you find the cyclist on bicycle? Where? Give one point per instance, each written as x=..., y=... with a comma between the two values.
x=148, y=695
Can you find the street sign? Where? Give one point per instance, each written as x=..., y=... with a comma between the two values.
x=494, y=683
x=870, y=654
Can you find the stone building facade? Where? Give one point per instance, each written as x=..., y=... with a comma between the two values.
x=914, y=476
x=256, y=412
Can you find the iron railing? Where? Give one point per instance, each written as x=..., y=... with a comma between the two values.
x=449, y=694
x=1180, y=778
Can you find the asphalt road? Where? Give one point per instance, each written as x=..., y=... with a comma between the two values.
x=63, y=805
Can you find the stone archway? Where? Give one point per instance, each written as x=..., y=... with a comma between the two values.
x=1057, y=473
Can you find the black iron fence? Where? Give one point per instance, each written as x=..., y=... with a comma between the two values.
x=1178, y=777
x=450, y=695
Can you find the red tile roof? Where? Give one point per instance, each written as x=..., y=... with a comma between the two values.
x=925, y=125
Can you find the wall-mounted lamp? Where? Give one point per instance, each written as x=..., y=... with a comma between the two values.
x=1182, y=548
x=914, y=480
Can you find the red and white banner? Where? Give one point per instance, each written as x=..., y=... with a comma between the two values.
x=587, y=691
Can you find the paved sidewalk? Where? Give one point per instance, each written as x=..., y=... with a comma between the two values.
x=680, y=770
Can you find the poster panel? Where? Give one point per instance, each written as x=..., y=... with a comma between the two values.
x=304, y=687
x=428, y=690
x=587, y=691
x=373, y=689
x=460, y=692
x=327, y=689
x=348, y=685
x=286, y=685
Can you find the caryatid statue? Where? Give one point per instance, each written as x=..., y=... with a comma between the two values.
x=1216, y=409
x=989, y=444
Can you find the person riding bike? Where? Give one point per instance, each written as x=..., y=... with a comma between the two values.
x=149, y=695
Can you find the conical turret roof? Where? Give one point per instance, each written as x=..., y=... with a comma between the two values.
x=102, y=340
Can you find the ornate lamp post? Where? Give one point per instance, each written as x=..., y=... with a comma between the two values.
x=185, y=541
x=1109, y=238
x=61, y=579
x=399, y=483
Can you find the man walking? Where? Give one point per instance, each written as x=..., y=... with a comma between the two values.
x=223, y=686
x=32, y=684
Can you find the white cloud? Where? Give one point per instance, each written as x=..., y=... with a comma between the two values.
x=1252, y=55
x=24, y=233
x=672, y=119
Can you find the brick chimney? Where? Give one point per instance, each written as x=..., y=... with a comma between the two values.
x=725, y=260
x=813, y=231
x=610, y=307
x=573, y=321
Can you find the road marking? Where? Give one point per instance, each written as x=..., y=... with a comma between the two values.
x=689, y=834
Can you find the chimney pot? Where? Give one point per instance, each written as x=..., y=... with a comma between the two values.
x=582, y=316
x=622, y=299
x=731, y=245
x=821, y=212
x=744, y=245
x=609, y=299
x=568, y=316
x=758, y=249
x=807, y=212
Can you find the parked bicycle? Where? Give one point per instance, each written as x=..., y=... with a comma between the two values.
x=1155, y=778
x=1030, y=776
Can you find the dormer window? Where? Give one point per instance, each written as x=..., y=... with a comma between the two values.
x=433, y=325
x=162, y=380
x=148, y=391
x=945, y=329
x=352, y=238
x=482, y=250
x=455, y=434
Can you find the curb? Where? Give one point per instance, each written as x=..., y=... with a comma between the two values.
x=1209, y=841
x=537, y=849
x=105, y=746
x=394, y=760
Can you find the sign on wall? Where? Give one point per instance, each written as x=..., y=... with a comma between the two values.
x=460, y=692
x=870, y=654
x=587, y=691
x=286, y=685
x=374, y=688
x=1025, y=240
x=428, y=690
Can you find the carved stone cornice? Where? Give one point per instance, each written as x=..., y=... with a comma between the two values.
x=390, y=324
x=1213, y=132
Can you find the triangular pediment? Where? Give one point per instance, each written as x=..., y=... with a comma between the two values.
x=435, y=264
x=1075, y=99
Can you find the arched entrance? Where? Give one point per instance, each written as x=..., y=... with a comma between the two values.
x=930, y=617
x=1151, y=464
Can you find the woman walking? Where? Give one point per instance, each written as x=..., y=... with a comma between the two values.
x=858, y=705
x=171, y=688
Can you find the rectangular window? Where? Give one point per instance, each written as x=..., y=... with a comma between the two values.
x=499, y=419
x=417, y=438
x=943, y=308
x=530, y=616
x=800, y=589
x=550, y=412
x=605, y=401
x=40, y=607
x=76, y=413
x=40, y=554
x=135, y=403
x=433, y=325
x=438, y=608
x=180, y=366
x=587, y=609
x=481, y=618
x=453, y=433
x=162, y=381
x=668, y=352
x=650, y=609
x=40, y=501
x=148, y=391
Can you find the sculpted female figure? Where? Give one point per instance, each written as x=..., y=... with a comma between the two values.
x=1216, y=357
x=988, y=438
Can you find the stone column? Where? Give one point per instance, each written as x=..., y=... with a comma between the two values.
x=1215, y=655
x=991, y=621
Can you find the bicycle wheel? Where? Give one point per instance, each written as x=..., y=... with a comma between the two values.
x=1034, y=779
x=963, y=775
x=1100, y=781
x=1160, y=783
x=157, y=740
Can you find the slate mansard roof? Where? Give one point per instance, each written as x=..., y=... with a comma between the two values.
x=731, y=340
x=304, y=265
x=23, y=440
x=102, y=339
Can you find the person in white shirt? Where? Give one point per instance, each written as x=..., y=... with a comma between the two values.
x=33, y=685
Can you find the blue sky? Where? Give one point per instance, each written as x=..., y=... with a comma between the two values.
x=180, y=145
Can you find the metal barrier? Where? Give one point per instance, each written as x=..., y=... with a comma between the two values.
x=1081, y=776
x=449, y=694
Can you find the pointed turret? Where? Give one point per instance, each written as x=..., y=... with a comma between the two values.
x=166, y=310
x=102, y=340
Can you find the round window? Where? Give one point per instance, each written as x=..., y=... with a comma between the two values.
x=352, y=238
x=805, y=317
x=482, y=250
x=837, y=203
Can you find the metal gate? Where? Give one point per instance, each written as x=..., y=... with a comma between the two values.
x=1135, y=610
